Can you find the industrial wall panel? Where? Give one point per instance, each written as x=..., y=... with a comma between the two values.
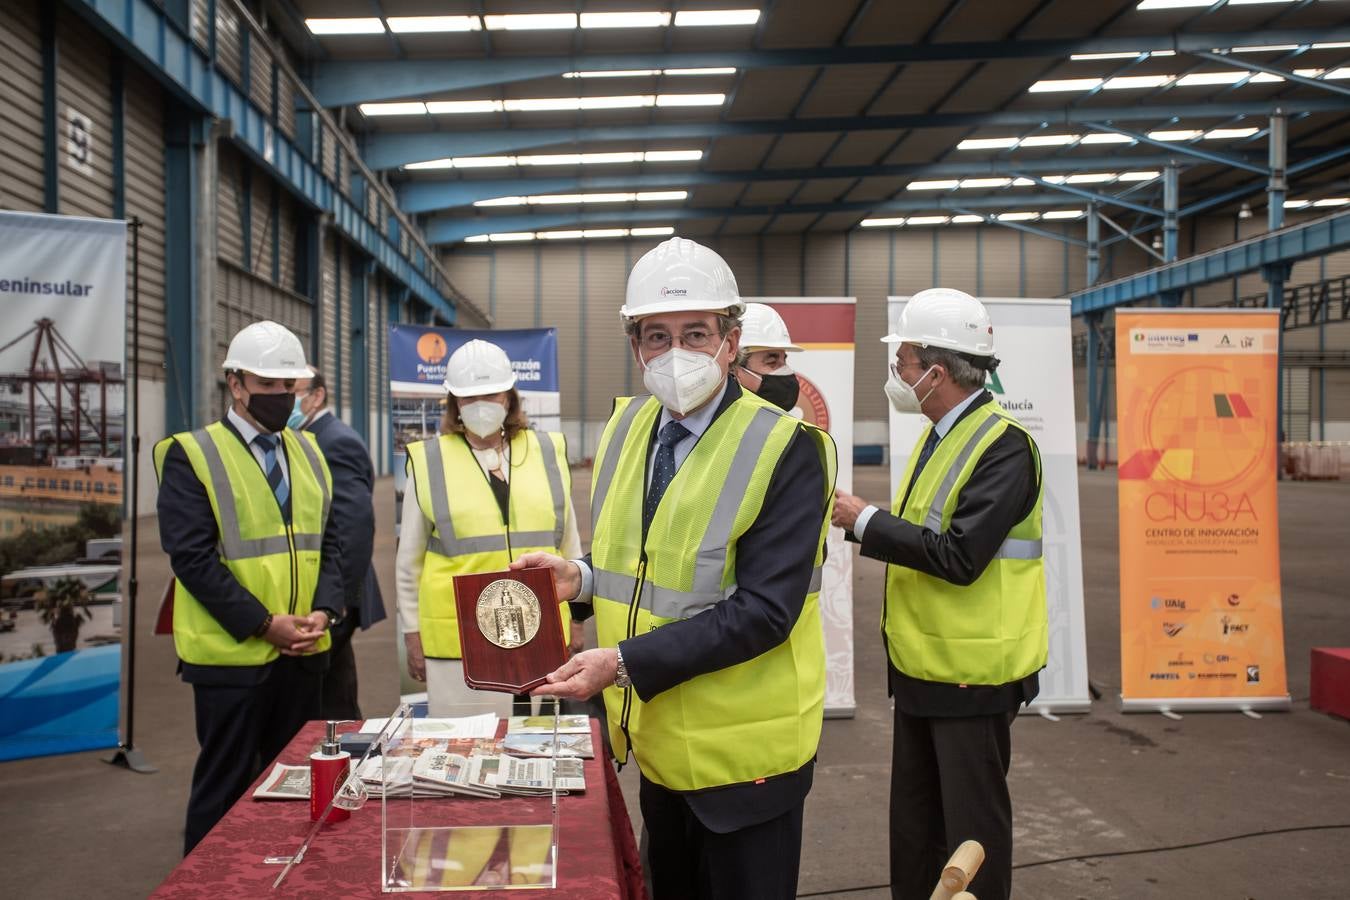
x=288, y=220
x=329, y=153
x=956, y=259
x=869, y=275
x=344, y=331
x=1000, y=262
x=742, y=256
x=199, y=23
x=561, y=294
x=913, y=261
x=473, y=274
x=144, y=108
x=825, y=265
x=328, y=305
x=286, y=95
x=263, y=226
x=243, y=298
x=1045, y=266
x=260, y=73
x=230, y=204
x=375, y=293
x=85, y=176
x=229, y=41
x=606, y=354
x=21, y=174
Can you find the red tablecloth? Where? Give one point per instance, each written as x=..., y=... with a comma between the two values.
x=597, y=857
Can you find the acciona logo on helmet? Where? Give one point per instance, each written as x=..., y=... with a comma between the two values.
x=674, y=292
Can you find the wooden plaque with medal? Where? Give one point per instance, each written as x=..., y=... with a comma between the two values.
x=510, y=629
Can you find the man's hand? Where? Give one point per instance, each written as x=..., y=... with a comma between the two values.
x=292, y=635
x=846, y=510
x=566, y=574
x=583, y=676
x=417, y=663
x=576, y=639
x=318, y=621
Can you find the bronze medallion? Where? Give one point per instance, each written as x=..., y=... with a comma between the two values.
x=508, y=613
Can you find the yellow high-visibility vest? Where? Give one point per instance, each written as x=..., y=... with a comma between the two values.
x=992, y=631
x=754, y=720
x=467, y=532
x=276, y=562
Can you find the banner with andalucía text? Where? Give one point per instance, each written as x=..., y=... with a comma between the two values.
x=1200, y=614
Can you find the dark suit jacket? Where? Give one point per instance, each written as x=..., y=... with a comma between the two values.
x=774, y=561
x=353, y=515
x=1001, y=492
x=188, y=533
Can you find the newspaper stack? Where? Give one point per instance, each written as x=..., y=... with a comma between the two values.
x=495, y=775
x=533, y=736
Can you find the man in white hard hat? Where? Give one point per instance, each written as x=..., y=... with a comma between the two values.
x=244, y=516
x=762, y=365
x=709, y=511
x=964, y=618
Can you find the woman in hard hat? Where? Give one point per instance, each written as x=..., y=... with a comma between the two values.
x=762, y=365
x=485, y=491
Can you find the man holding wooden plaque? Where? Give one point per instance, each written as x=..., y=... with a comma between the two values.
x=709, y=509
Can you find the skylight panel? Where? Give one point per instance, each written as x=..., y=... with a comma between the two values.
x=926, y=220
x=625, y=20
x=1064, y=84
x=967, y=219
x=400, y=108
x=882, y=223
x=1106, y=137
x=940, y=185
x=463, y=107
x=1048, y=140
x=975, y=183
x=326, y=27
x=1138, y=176
x=531, y=21
x=1135, y=82
x=664, y=100
x=655, y=231
x=715, y=17
x=1017, y=216
x=1180, y=134
x=433, y=24
x=1062, y=214
x=1222, y=134
x=1001, y=143
x=1091, y=178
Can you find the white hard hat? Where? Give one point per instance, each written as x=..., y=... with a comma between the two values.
x=762, y=328
x=947, y=318
x=268, y=350
x=478, y=368
x=679, y=275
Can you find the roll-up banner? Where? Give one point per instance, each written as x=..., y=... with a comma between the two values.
x=1034, y=382
x=62, y=419
x=1200, y=620
x=823, y=328
x=417, y=358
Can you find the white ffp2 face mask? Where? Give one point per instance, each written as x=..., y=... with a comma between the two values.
x=902, y=396
x=681, y=379
x=483, y=417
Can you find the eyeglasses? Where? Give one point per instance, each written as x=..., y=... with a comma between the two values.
x=896, y=370
x=693, y=339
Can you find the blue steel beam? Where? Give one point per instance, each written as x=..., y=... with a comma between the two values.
x=145, y=32
x=389, y=150
x=340, y=83
x=1028, y=229
x=1092, y=196
x=1288, y=245
x=422, y=195
x=452, y=229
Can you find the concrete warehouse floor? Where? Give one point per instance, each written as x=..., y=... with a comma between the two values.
x=1102, y=783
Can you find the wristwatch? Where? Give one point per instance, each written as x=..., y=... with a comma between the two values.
x=621, y=679
x=334, y=617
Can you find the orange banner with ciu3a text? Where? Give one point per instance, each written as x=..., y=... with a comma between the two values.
x=1200, y=620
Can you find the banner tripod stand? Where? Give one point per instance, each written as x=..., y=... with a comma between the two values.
x=127, y=755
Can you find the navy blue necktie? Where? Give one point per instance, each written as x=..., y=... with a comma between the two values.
x=664, y=468
x=272, y=469
x=927, y=452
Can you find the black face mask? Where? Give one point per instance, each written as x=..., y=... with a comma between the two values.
x=271, y=411
x=780, y=390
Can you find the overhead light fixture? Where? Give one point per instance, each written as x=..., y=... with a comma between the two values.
x=1017, y=216
x=975, y=183
x=710, y=70
x=572, y=234
x=1331, y=201
x=511, y=236
x=1172, y=4
x=672, y=155
x=1269, y=48
x=940, y=185
x=463, y=107
x=1135, y=82
x=564, y=199
x=1138, y=176
x=1222, y=134
x=1157, y=242
x=531, y=22
x=1128, y=54
x=604, y=232
x=1253, y=2
x=1180, y=134
x=1055, y=214
x=926, y=220
x=1198, y=79
x=1324, y=75
x=326, y=27
x=625, y=20
x=617, y=73
x=967, y=219
x=433, y=24
x=1106, y=137
x=558, y=159
x=715, y=17
x=655, y=231
x=1245, y=212
x=1091, y=178
x=883, y=223
x=664, y=100
x=1064, y=84
x=1291, y=204
x=1048, y=140
x=1334, y=45
x=399, y=108
x=560, y=235
x=1001, y=143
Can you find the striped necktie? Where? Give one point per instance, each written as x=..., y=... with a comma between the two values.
x=272, y=469
x=663, y=469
